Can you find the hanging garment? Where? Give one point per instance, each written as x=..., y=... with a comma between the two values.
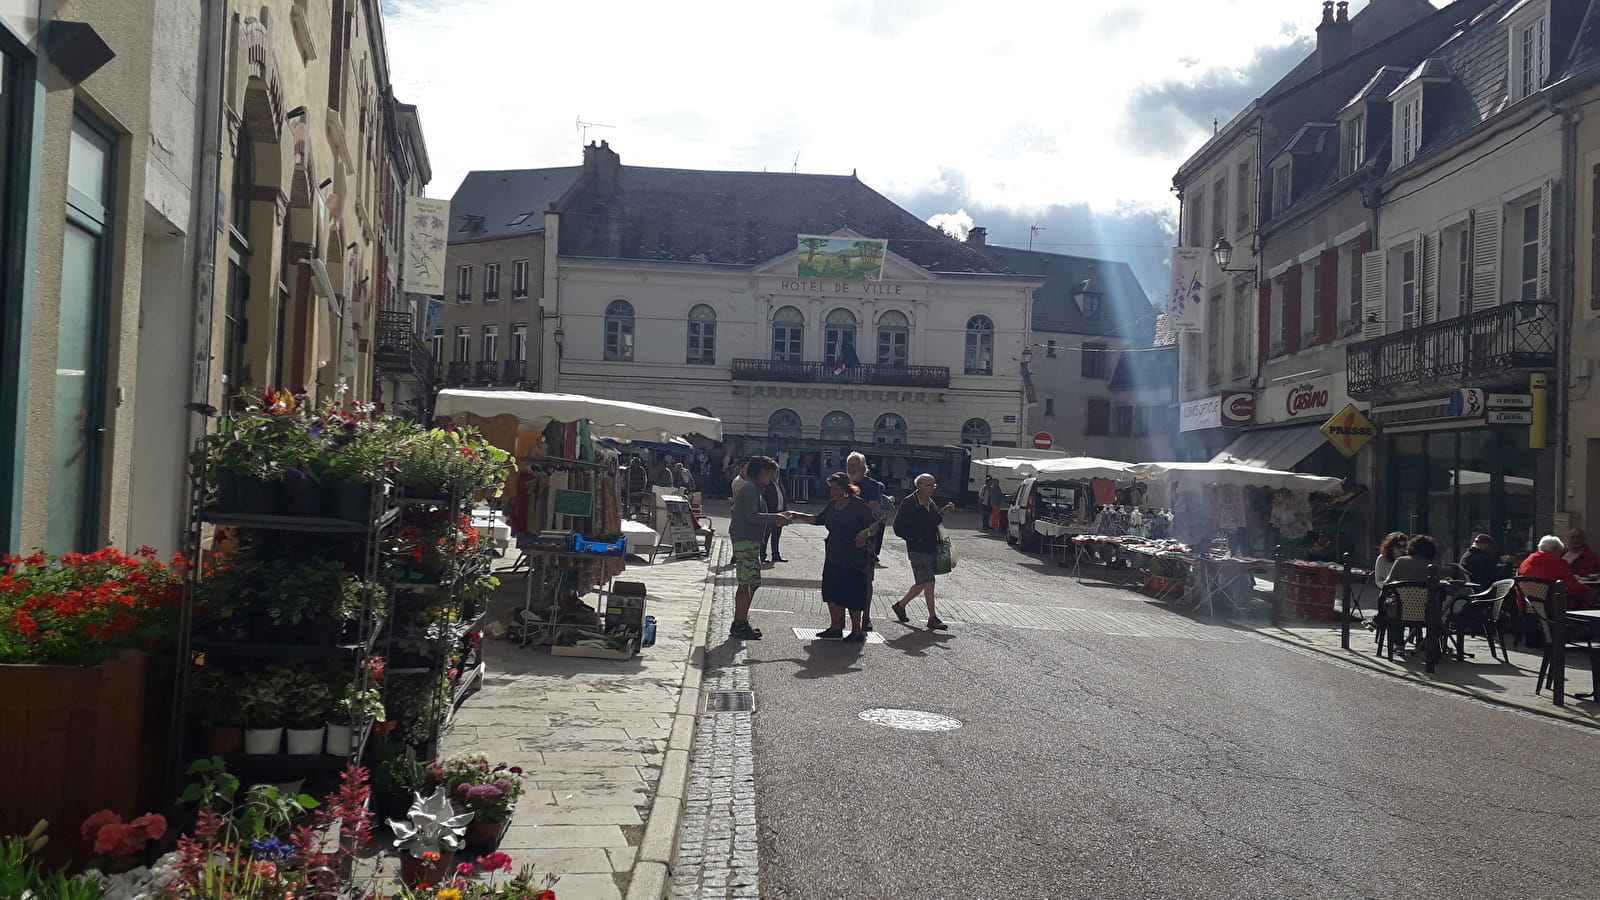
x=1105, y=490
x=1230, y=506
x=1291, y=513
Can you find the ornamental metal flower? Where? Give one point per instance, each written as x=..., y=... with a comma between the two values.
x=432, y=826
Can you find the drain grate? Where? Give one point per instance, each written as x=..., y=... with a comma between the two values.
x=731, y=701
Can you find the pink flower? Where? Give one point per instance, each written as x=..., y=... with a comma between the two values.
x=466, y=870
x=495, y=862
x=154, y=825
x=92, y=825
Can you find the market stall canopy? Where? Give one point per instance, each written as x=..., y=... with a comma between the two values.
x=617, y=419
x=1008, y=463
x=1233, y=473
x=1084, y=467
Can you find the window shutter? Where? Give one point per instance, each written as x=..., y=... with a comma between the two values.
x=1292, y=283
x=1594, y=241
x=1546, y=198
x=1428, y=276
x=1485, y=257
x=1328, y=297
x=1372, y=305
x=1264, y=319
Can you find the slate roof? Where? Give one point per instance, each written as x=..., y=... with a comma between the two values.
x=1125, y=310
x=1382, y=83
x=487, y=202
x=745, y=218
x=1157, y=367
x=1377, y=22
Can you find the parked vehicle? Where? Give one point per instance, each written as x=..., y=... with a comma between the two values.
x=1009, y=479
x=1059, y=501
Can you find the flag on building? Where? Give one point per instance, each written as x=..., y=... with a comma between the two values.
x=1028, y=394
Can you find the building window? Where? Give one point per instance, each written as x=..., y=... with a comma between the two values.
x=1409, y=128
x=1530, y=252
x=463, y=284
x=1141, y=421
x=491, y=343
x=1282, y=189
x=1241, y=330
x=788, y=335
x=436, y=345
x=1355, y=143
x=889, y=429
x=463, y=343
x=519, y=342
x=1094, y=359
x=1049, y=407
x=1124, y=421
x=980, y=346
x=1315, y=334
x=894, y=339
x=1097, y=420
x=1462, y=272
x=1408, y=289
x=519, y=279
x=976, y=431
x=1241, y=187
x=77, y=438
x=1531, y=57
x=491, y=281
x=785, y=423
x=1219, y=207
x=839, y=338
x=1050, y=348
x=1352, y=284
x=838, y=426
x=619, y=331
x=703, y=336
x=1197, y=227
x=1214, y=343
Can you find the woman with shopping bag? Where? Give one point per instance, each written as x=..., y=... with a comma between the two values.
x=921, y=525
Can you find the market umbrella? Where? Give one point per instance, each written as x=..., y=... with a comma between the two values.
x=617, y=419
x=1234, y=473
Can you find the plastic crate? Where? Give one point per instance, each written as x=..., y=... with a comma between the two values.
x=618, y=547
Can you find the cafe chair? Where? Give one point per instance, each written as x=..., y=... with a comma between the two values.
x=1539, y=608
x=1402, y=604
x=1480, y=614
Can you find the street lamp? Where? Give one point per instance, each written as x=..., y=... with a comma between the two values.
x=1223, y=253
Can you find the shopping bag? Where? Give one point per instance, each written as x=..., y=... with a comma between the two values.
x=945, y=559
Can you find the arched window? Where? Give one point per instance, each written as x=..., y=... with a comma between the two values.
x=840, y=337
x=976, y=431
x=838, y=426
x=702, y=411
x=788, y=335
x=980, y=346
x=785, y=423
x=890, y=429
x=894, y=339
x=703, y=336
x=619, y=331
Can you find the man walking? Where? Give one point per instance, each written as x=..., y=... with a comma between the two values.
x=748, y=530
x=870, y=490
x=918, y=524
x=988, y=500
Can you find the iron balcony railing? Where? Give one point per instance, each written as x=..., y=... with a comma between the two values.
x=1467, y=348
x=458, y=372
x=515, y=372
x=401, y=351
x=486, y=370
x=833, y=373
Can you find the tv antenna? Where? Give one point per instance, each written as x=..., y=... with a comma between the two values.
x=1033, y=230
x=583, y=129
x=796, y=166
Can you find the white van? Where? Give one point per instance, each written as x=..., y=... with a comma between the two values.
x=1061, y=501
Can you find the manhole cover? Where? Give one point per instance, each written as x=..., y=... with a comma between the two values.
x=910, y=719
x=810, y=634
x=731, y=701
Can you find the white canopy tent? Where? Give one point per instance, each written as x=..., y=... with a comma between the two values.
x=616, y=419
x=1083, y=467
x=1004, y=463
x=1206, y=473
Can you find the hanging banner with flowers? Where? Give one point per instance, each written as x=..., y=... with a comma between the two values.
x=1188, y=289
x=427, y=226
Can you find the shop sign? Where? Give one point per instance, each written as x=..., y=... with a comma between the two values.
x=1348, y=431
x=1467, y=403
x=1311, y=400
x=1508, y=401
x=1237, y=408
x=1510, y=417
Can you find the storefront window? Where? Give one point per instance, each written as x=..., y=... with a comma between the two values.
x=1455, y=484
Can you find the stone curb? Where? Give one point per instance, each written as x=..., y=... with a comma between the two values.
x=658, y=849
x=1549, y=711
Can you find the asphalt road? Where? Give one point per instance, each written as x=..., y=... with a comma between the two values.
x=1109, y=748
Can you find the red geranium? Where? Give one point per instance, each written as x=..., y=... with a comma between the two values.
x=80, y=609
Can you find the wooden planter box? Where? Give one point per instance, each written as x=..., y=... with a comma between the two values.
x=71, y=743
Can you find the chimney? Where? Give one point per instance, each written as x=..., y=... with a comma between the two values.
x=1334, y=35
x=600, y=164
x=978, y=236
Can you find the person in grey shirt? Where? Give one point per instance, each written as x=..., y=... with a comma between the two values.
x=748, y=531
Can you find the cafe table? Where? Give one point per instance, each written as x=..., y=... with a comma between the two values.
x=1589, y=618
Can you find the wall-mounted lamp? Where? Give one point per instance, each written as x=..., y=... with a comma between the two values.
x=1223, y=253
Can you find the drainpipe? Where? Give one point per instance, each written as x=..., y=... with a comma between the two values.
x=1563, y=275
x=205, y=226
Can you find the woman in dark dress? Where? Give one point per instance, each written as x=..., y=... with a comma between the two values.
x=847, y=561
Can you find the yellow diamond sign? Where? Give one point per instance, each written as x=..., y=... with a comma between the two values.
x=1349, y=430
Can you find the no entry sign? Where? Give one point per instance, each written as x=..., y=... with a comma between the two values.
x=1043, y=441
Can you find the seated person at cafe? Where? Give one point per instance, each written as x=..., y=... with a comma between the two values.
x=1421, y=552
x=1548, y=563
x=1584, y=562
x=1482, y=561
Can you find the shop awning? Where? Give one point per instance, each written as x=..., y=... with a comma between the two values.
x=617, y=419
x=1273, y=448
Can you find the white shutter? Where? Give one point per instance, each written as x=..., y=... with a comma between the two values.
x=1429, y=284
x=1546, y=198
x=1372, y=299
x=1485, y=257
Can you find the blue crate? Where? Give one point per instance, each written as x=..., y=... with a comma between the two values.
x=618, y=547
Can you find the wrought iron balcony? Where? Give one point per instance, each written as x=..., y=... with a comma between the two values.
x=831, y=373
x=1455, y=352
x=486, y=370
x=458, y=372
x=515, y=371
x=401, y=351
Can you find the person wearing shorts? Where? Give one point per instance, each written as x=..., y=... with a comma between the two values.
x=917, y=523
x=748, y=531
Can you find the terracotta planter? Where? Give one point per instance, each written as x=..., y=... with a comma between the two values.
x=224, y=740
x=414, y=872
x=484, y=837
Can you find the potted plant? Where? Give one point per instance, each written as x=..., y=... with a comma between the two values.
x=261, y=699
x=491, y=804
x=354, y=707
x=361, y=451
x=400, y=777
x=428, y=838
x=306, y=704
x=212, y=694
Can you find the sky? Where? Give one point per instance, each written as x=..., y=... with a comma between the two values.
x=1068, y=115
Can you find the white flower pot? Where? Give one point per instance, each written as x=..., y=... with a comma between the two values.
x=305, y=741
x=262, y=740
x=339, y=739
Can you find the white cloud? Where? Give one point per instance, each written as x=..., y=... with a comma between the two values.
x=955, y=224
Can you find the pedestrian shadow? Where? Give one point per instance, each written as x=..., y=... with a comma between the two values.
x=918, y=642
x=825, y=659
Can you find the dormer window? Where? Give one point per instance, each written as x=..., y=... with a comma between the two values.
x=1282, y=189
x=1354, y=143
x=1407, y=126
x=1528, y=30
